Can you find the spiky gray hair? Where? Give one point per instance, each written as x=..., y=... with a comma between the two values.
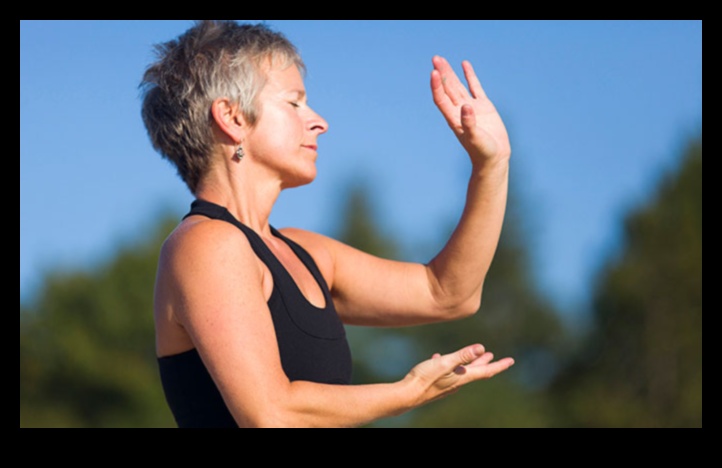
x=213, y=59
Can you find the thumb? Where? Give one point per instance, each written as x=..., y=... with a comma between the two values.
x=465, y=356
x=468, y=118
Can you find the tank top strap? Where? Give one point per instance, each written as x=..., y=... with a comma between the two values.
x=307, y=260
x=214, y=211
x=279, y=272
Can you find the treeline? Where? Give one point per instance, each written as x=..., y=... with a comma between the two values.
x=641, y=363
x=87, y=348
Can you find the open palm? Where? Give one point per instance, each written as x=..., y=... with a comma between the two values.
x=469, y=113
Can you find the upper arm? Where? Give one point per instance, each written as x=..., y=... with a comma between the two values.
x=369, y=290
x=217, y=298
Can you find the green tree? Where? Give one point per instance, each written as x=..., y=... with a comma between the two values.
x=359, y=228
x=87, y=356
x=641, y=366
x=514, y=320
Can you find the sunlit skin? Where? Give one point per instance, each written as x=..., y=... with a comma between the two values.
x=212, y=290
x=285, y=138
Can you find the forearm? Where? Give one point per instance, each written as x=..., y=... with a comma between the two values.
x=349, y=405
x=309, y=404
x=457, y=273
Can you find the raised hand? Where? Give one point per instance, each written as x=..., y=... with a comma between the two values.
x=443, y=375
x=469, y=113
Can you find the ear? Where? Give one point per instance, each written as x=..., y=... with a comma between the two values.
x=229, y=119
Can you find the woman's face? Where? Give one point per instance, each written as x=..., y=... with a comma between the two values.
x=284, y=137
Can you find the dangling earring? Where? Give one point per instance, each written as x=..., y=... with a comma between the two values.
x=239, y=153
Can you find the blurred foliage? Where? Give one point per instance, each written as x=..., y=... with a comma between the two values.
x=87, y=353
x=641, y=365
x=514, y=320
x=87, y=343
x=359, y=227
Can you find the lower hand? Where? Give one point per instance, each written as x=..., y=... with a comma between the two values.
x=443, y=375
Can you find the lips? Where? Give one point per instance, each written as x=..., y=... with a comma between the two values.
x=312, y=147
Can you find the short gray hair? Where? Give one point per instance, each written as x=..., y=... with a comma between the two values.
x=213, y=59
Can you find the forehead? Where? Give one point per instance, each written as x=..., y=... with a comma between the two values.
x=283, y=80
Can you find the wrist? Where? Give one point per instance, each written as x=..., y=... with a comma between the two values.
x=498, y=164
x=408, y=393
x=489, y=171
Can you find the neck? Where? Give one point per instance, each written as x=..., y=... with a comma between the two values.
x=246, y=190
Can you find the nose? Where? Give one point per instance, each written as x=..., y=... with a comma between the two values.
x=317, y=123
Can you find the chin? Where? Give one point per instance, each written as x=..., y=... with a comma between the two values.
x=300, y=179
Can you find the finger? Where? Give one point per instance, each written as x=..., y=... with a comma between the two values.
x=468, y=118
x=476, y=137
x=465, y=355
x=454, y=88
x=437, y=89
x=441, y=99
x=482, y=360
x=489, y=370
x=501, y=365
x=474, y=84
x=455, y=362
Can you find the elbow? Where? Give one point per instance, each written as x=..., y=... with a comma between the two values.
x=467, y=306
x=456, y=303
x=265, y=411
x=272, y=418
x=470, y=306
x=287, y=420
x=460, y=309
x=292, y=405
x=276, y=416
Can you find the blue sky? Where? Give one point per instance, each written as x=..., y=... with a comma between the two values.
x=596, y=111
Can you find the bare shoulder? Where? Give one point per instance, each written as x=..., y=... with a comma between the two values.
x=200, y=243
x=307, y=239
x=200, y=258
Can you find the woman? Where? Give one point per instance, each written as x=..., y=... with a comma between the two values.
x=249, y=319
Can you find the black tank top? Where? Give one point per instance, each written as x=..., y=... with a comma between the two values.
x=311, y=341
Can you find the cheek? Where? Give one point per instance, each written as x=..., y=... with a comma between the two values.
x=278, y=131
x=286, y=126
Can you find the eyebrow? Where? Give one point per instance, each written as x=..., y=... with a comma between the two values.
x=298, y=92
